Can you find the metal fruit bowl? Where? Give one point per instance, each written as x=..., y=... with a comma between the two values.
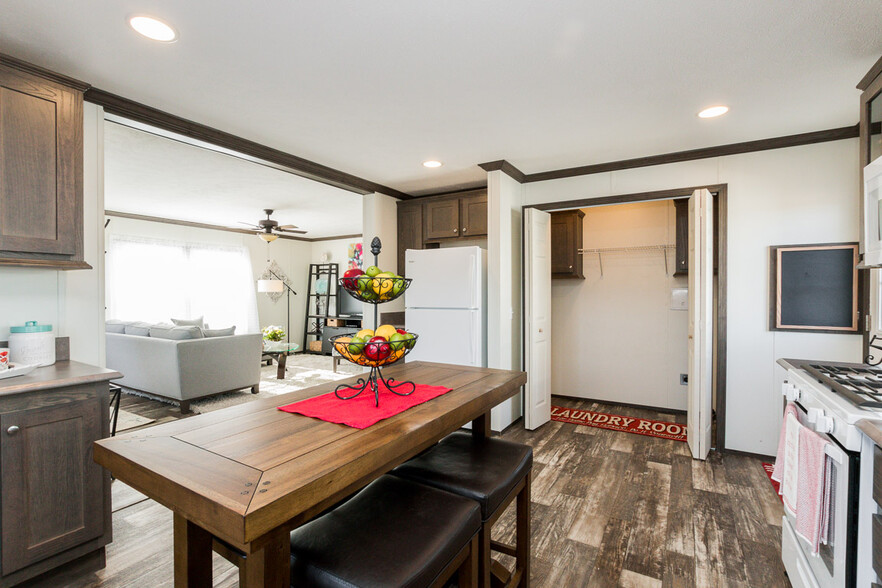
x=374, y=290
x=372, y=354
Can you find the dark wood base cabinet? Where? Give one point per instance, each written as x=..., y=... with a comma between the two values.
x=54, y=499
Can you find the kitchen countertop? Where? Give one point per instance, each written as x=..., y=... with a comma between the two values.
x=872, y=429
x=59, y=375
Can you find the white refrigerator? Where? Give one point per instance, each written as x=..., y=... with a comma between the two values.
x=446, y=305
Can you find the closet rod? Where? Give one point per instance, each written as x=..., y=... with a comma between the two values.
x=640, y=248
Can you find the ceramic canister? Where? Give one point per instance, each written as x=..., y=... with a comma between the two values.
x=32, y=344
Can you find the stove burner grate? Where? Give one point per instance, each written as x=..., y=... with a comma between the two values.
x=862, y=386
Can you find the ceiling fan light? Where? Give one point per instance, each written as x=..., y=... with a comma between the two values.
x=268, y=237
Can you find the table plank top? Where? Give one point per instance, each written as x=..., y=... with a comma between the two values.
x=243, y=471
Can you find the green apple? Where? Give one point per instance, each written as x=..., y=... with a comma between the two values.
x=356, y=345
x=364, y=284
x=398, y=285
x=398, y=341
x=373, y=271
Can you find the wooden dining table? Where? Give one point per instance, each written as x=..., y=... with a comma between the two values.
x=238, y=480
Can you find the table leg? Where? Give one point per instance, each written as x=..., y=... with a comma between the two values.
x=283, y=359
x=481, y=426
x=270, y=566
x=192, y=555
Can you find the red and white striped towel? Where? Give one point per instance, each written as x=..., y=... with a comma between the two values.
x=786, y=471
x=815, y=485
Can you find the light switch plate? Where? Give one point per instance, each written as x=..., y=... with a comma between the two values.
x=679, y=299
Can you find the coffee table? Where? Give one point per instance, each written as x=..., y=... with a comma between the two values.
x=280, y=354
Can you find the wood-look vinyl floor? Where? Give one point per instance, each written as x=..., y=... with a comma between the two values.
x=610, y=509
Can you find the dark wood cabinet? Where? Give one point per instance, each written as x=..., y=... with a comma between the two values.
x=681, y=251
x=410, y=230
x=426, y=222
x=41, y=168
x=566, y=241
x=54, y=499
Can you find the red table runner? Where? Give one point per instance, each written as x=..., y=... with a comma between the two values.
x=360, y=412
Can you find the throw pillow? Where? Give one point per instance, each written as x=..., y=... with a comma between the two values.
x=175, y=333
x=196, y=322
x=139, y=329
x=228, y=332
x=116, y=326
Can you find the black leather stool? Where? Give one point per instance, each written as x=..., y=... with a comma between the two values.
x=392, y=533
x=493, y=472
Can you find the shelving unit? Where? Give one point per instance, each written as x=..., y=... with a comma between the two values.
x=318, y=306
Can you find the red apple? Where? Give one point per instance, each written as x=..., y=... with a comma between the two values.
x=377, y=349
x=402, y=331
x=351, y=284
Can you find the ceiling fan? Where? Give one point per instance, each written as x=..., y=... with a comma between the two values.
x=269, y=230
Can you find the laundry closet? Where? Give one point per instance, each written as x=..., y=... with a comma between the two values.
x=619, y=304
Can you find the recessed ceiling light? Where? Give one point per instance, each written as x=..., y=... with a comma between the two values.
x=153, y=29
x=713, y=111
x=432, y=163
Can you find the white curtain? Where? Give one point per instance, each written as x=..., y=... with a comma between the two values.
x=153, y=280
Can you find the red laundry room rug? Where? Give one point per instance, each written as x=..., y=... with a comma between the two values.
x=662, y=429
x=769, y=468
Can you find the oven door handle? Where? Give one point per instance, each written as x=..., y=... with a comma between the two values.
x=834, y=453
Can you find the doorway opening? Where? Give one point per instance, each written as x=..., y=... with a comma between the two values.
x=620, y=335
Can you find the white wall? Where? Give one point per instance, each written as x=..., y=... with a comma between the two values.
x=337, y=251
x=292, y=256
x=380, y=213
x=621, y=322
x=71, y=301
x=806, y=194
x=505, y=197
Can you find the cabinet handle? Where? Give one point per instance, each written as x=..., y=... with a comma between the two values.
x=12, y=430
x=464, y=229
x=571, y=267
x=454, y=230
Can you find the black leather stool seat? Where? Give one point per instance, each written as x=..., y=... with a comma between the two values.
x=485, y=470
x=392, y=533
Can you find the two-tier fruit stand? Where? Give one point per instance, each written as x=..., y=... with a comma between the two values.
x=374, y=354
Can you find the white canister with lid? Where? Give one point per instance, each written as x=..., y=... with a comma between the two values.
x=32, y=344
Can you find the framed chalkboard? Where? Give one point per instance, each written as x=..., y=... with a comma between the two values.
x=814, y=288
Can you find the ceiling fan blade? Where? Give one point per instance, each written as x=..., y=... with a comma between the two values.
x=249, y=225
x=281, y=230
x=287, y=227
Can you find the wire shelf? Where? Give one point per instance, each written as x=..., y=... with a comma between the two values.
x=635, y=249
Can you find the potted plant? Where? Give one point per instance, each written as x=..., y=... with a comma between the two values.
x=273, y=338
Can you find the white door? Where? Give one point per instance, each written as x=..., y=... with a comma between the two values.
x=537, y=269
x=872, y=322
x=701, y=282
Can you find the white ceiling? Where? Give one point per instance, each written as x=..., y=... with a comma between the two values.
x=374, y=88
x=155, y=176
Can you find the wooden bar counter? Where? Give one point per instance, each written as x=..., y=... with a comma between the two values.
x=242, y=478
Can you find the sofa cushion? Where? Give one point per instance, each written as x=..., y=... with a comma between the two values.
x=175, y=333
x=196, y=322
x=140, y=329
x=228, y=332
x=115, y=326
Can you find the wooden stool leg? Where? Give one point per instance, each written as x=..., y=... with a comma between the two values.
x=484, y=556
x=522, y=546
x=468, y=571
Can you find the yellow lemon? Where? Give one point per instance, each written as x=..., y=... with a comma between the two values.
x=382, y=285
x=385, y=331
x=365, y=333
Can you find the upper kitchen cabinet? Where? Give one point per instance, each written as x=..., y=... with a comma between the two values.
x=566, y=241
x=871, y=114
x=441, y=219
x=410, y=230
x=41, y=167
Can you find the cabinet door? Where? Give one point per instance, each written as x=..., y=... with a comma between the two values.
x=441, y=219
x=681, y=213
x=51, y=491
x=410, y=230
x=566, y=240
x=473, y=210
x=41, y=166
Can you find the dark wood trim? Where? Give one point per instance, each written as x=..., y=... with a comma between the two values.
x=703, y=153
x=448, y=192
x=506, y=168
x=625, y=198
x=195, y=225
x=142, y=113
x=871, y=75
x=721, y=194
x=56, y=264
x=43, y=73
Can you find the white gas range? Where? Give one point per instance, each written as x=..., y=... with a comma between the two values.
x=832, y=397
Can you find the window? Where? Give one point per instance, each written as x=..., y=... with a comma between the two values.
x=152, y=280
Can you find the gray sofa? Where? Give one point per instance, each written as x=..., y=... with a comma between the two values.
x=184, y=370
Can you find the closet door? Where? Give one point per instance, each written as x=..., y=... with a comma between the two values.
x=537, y=271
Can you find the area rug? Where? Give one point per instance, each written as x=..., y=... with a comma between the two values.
x=614, y=422
x=769, y=468
x=129, y=420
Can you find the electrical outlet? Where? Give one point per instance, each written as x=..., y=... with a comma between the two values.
x=684, y=379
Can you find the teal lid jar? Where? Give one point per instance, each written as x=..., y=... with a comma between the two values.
x=31, y=327
x=32, y=344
